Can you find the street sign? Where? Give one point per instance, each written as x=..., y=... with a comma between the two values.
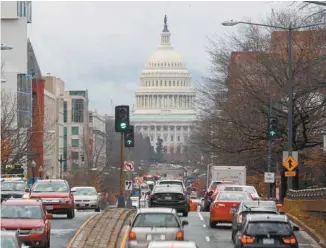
x=129, y=166
x=290, y=173
x=128, y=185
x=139, y=180
x=286, y=155
x=269, y=177
x=290, y=163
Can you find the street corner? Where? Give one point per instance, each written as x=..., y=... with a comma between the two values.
x=95, y=230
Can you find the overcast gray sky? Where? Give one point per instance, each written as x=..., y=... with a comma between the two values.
x=103, y=46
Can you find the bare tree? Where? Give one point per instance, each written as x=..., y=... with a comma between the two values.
x=234, y=101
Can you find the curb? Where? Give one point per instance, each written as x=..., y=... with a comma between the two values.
x=123, y=241
x=308, y=230
x=80, y=229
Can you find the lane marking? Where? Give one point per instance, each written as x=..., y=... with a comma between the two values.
x=125, y=238
x=79, y=230
x=200, y=216
x=204, y=225
x=207, y=239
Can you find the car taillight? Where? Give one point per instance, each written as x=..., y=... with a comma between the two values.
x=291, y=240
x=132, y=236
x=179, y=236
x=247, y=239
x=239, y=218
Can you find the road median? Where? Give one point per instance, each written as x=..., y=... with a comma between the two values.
x=101, y=230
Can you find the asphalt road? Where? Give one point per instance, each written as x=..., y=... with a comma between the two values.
x=63, y=230
x=199, y=231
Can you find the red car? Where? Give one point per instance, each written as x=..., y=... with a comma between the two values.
x=29, y=219
x=209, y=192
x=56, y=196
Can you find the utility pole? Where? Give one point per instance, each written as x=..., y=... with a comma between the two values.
x=269, y=158
x=121, y=166
x=61, y=160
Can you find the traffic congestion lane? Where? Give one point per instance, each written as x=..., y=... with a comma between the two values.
x=63, y=229
x=199, y=231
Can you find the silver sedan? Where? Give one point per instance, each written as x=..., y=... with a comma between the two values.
x=86, y=198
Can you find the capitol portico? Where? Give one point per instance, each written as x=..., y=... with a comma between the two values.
x=165, y=99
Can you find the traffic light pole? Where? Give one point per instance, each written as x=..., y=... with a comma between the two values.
x=121, y=199
x=269, y=158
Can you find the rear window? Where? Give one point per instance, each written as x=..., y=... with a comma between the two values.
x=263, y=228
x=171, y=182
x=251, y=190
x=159, y=189
x=228, y=196
x=259, y=204
x=156, y=220
x=230, y=188
x=50, y=187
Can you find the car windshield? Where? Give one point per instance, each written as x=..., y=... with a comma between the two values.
x=50, y=187
x=170, y=188
x=259, y=204
x=21, y=212
x=8, y=242
x=156, y=220
x=12, y=186
x=234, y=196
x=171, y=182
x=85, y=191
x=250, y=190
x=263, y=228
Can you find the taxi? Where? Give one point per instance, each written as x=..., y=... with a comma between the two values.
x=225, y=205
x=28, y=219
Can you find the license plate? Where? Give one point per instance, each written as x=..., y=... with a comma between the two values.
x=268, y=241
x=49, y=207
x=155, y=237
x=168, y=198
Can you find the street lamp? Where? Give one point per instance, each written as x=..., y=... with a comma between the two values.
x=33, y=164
x=290, y=30
x=6, y=47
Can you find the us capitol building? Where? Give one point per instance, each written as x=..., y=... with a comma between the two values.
x=165, y=99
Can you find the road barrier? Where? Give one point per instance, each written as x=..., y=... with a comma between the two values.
x=307, y=208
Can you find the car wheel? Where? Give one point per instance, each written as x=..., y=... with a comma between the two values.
x=185, y=214
x=70, y=213
x=97, y=209
x=212, y=224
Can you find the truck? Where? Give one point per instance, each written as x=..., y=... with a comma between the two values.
x=223, y=174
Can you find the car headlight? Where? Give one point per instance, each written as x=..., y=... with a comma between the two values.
x=38, y=230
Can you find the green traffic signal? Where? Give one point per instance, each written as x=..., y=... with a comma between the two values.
x=129, y=142
x=123, y=125
x=272, y=133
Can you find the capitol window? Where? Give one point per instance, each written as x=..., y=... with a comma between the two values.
x=178, y=128
x=151, y=137
x=179, y=138
x=165, y=138
x=185, y=128
x=171, y=137
x=172, y=128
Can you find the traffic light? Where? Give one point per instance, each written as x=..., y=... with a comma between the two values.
x=129, y=137
x=121, y=118
x=272, y=127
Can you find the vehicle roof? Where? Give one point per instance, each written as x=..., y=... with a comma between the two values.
x=233, y=192
x=171, y=180
x=50, y=180
x=259, y=203
x=267, y=218
x=260, y=209
x=156, y=210
x=29, y=202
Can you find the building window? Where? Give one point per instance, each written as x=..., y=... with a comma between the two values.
x=74, y=155
x=178, y=128
x=178, y=138
x=65, y=111
x=171, y=128
x=185, y=128
x=90, y=119
x=185, y=138
x=25, y=100
x=77, y=110
x=75, y=130
x=171, y=137
x=75, y=142
x=158, y=128
x=165, y=138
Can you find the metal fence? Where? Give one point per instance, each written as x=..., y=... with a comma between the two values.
x=307, y=194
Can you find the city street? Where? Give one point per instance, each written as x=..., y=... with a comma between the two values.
x=199, y=231
x=63, y=229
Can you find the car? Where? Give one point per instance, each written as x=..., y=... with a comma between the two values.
x=225, y=205
x=252, y=190
x=155, y=224
x=251, y=207
x=171, y=196
x=29, y=219
x=86, y=198
x=266, y=230
x=209, y=192
x=56, y=196
x=172, y=244
x=168, y=181
x=13, y=188
x=9, y=239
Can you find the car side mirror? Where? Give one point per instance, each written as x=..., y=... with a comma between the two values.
x=49, y=216
x=184, y=223
x=296, y=228
x=72, y=191
x=27, y=190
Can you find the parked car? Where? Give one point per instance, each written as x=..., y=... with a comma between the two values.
x=57, y=198
x=86, y=198
x=29, y=219
x=155, y=224
x=225, y=205
x=266, y=230
x=251, y=207
x=171, y=196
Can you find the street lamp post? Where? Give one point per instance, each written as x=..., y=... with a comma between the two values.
x=290, y=30
x=33, y=164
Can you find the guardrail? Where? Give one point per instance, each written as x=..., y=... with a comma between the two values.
x=307, y=194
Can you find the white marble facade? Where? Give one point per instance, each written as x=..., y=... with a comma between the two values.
x=165, y=98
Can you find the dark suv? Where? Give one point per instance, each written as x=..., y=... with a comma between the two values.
x=170, y=196
x=266, y=230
